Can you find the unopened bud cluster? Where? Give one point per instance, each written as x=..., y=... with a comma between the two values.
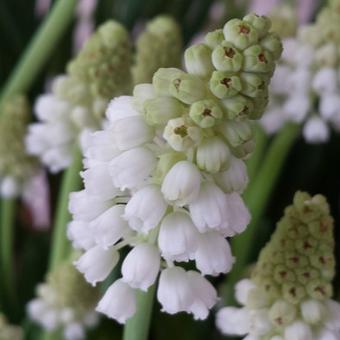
x=306, y=85
x=65, y=302
x=160, y=45
x=289, y=293
x=16, y=167
x=8, y=331
x=165, y=174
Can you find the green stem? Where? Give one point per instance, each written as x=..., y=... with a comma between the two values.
x=256, y=158
x=137, y=328
x=40, y=48
x=71, y=181
x=257, y=197
x=7, y=217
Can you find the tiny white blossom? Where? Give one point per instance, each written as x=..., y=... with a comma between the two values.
x=316, y=130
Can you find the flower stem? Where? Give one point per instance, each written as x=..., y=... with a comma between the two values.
x=257, y=197
x=71, y=181
x=137, y=328
x=7, y=217
x=40, y=48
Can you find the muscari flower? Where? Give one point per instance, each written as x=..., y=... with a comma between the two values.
x=289, y=293
x=65, y=302
x=16, y=166
x=305, y=86
x=168, y=167
x=77, y=100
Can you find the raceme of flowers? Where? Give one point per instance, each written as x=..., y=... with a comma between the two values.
x=78, y=99
x=16, y=167
x=306, y=84
x=65, y=302
x=102, y=70
x=165, y=174
x=288, y=296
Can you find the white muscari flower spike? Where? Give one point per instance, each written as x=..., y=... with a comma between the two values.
x=288, y=295
x=165, y=173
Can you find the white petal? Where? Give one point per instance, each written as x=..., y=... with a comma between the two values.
x=233, y=321
x=81, y=235
x=242, y=289
x=74, y=331
x=121, y=107
x=97, y=263
x=298, y=331
x=316, y=130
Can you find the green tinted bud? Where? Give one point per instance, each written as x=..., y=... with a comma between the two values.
x=213, y=155
x=272, y=43
x=258, y=59
x=198, y=60
x=159, y=110
x=244, y=150
x=327, y=55
x=226, y=57
x=141, y=93
x=293, y=292
x=162, y=79
x=240, y=33
x=237, y=133
x=165, y=163
x=188, y=88
x=310, y=34
x=253, y=85
x=214, y=38
x=261, y=23
x=205, y=113
x=319, y=289
x=223, y=84
x=282, y=313
x=260, y=104
x=257, y=298
x=237, y=107
x=284, y=21
x=14, y=161
x=104, y=62
x=180, y=135
x=158, y=46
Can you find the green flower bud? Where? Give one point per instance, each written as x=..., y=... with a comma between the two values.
x=162, y=79
x=158, y=46
x=165, y=163
x=205, y=113
x=213, y=155
x=104, y=62
x=188, y=88
x=253, y=85
x=240, y=33
x=261, y=23
x=223, y=84
x=214, y=38
x=282, y=313
x=284, y=21
x=14, y=161
x=237, y=107
x=237, y=132
x=197, y=60
x=258, y=59
x=159, y=110
x=141, y=93
x=257, y=298
x=226, y=57
x=244, y=150
x=260, y=104
x=180, y=135
x=327, y=55
x=308, y=267
x=272, y=43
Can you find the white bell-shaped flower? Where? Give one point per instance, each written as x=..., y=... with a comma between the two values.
x=109, y=227
x=312, y=311
x=119, y=108
x=297, y=107
x=233, y=321
x=213, y=254
x=181, y=184
x=131, y=132
x=81, y=235
x=174, y=292
x=316, y=130
x=97, y=263
x=131, y=168
x=178, y=237
x=97, y=181
x=329, y=105
x=235, y=178
x=141, y=266
x=74, y=331
x=208, y=210
x=85, y=207
x=50, y=108
x=119, y=302
x=145, y=209
x=242, y=289
x=205, y=295
x=325, y=80
x=9, y=187
x=298, y=331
